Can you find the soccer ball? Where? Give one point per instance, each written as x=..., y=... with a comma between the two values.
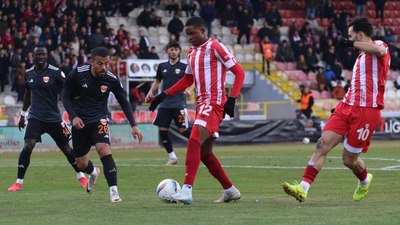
x=306, y=140
x=166, y=188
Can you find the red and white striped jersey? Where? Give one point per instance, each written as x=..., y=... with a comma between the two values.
x=208, y=64
x=368, y=81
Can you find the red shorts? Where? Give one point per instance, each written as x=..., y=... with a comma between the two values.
x=356, y=124
x=209, y=116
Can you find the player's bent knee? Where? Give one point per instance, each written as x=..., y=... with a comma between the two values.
x=348, y=162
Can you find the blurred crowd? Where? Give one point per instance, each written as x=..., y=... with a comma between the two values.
x=71, y=28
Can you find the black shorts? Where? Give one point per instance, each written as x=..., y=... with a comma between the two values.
x=165, y=116
x=91, y=134
x=59, y=131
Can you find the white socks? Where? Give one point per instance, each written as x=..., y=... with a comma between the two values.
x=305, y=185
x=172, y=155
x=364, y=182
x=20, y=181
x=79, y=175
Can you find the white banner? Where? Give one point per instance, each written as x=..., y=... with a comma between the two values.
x=142, y=67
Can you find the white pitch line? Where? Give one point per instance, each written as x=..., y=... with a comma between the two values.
x=387, y=168
x=390, y=168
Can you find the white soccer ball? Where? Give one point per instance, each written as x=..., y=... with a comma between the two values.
x=166, y=188
x=306, y=140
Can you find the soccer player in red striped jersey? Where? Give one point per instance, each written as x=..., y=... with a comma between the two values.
x=356, y=117
x=207, y=62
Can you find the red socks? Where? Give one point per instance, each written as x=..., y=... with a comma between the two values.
x=309, y=174
x=363, y=175
x=192, y=161
x=215, y=168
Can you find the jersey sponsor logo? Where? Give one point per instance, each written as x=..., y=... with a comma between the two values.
x=177, y=70
x=46, y=79
x=103, y=121
x=103, y=88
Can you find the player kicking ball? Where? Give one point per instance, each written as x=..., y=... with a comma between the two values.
x=207, y=62
x=356, y=117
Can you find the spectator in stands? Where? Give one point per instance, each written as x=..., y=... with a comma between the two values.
x=259, y=8
x=390, y=37
x=82, y=57
x=4, y=69
x=208, y=14
x=125, y=7
x=337, y=69
x=15, y=62
x=360, y=7
x=110, y=7
x=266, y=50
x=314, y=26
x=321, y=79
x=264, y=31
x=153, y=53
x=189, y=6
x=172, y=6
x=311, y=8
x=275, y=36
x=20, y=81
x=284, y=53
x=330, y=56
x=379, y=8
x=301, y=63
x=98, y=37
x=394, y=60
x=228, y=17
x=145, y=17
x=311, y=60
x=273, y=16
x=306, y=102
x=7, y=38
x=329, y=10
x=144, y=44
x=175, y=26
x=245, y=22
x=338, y=90
x=330, y=76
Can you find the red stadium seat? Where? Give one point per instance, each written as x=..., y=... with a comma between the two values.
x=316, y=94
x=326, y=95
x=291, y=66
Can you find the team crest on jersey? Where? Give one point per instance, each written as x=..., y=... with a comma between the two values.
x=177, y=71
x=103, y=121
x=46, y=79
x=103, y=88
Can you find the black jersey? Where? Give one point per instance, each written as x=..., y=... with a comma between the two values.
x=86, y=96
x=170, y=74
x=45, y=87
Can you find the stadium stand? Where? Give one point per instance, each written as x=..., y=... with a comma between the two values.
x=67, y=26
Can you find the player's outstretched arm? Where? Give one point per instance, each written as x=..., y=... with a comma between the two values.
x=183, y=83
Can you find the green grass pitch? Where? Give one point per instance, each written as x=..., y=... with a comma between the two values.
x=52, y=194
